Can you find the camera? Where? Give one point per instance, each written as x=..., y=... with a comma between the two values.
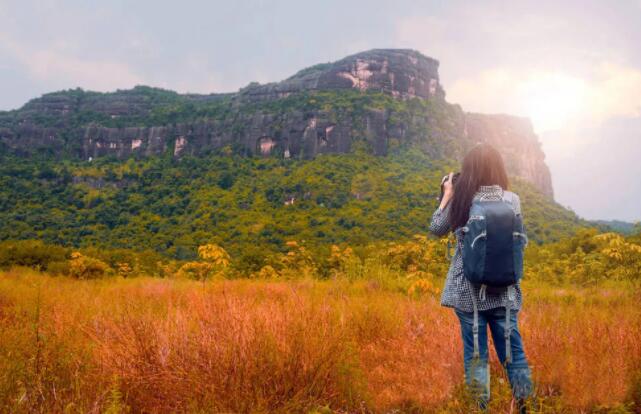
x=455, y=177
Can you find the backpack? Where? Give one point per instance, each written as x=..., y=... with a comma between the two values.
x=493, y=242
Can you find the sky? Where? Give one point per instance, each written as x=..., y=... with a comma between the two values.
x=573, y=67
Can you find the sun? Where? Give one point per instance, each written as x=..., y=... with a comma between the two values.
x=552, y=101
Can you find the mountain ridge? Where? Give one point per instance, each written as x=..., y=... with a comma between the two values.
x=380, y=99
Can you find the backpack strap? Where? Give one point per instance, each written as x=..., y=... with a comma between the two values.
x=511, y=295
x=458, y=233
x=483, y=292
x=508, y=196
x=475, y=327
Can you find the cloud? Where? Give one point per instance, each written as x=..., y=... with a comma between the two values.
x=599, y=176
x=616, y=92
x=480, y=36
x=56, y=66
x=553, y=99
x=194, y=76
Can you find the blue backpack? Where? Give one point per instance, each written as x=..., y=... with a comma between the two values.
x=493, y=244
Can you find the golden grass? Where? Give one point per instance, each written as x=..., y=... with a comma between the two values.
x=154, y=345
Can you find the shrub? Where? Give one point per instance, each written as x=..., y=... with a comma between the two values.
x=30, y=253
x=84, y=267
x=59, y=268
x=587, y=258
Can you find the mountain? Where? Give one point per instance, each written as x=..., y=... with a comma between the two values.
x=382, y=99
x=350, y=152
x=624, y=227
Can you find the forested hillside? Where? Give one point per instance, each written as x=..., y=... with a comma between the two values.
x=250, y=206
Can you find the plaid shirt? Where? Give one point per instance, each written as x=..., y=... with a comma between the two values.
x=458, y=291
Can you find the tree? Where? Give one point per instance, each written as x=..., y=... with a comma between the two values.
x=85, y=267
x=214, y=262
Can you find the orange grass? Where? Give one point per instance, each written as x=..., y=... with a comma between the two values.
x=153, y=345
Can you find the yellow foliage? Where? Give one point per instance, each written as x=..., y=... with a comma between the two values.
x=196, y=270
x=214, y=254
x=84, y=267
x=343, y=261
x=124, y=269
x=167, y=269
x=214, y=261
x=586, y=258
x=418, y=255
x=422, y=287
x=267, y=272
x=298, y=262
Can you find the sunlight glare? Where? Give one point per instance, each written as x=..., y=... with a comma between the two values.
x=552, y=101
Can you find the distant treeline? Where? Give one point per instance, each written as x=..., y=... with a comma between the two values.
x=588, y=257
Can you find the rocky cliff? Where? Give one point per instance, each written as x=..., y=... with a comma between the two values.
x=519, y=144
x=378, y=100
x=402, y=73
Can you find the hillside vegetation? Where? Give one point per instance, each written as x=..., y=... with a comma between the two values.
x=249, y=206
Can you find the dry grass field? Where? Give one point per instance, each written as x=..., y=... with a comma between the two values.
x=164, y=345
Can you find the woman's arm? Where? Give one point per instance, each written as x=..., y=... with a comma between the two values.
x=440, y=224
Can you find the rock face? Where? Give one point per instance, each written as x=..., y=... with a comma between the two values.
x=518, y=143
x=143, y=121
x=400, y=72
x=304, y=136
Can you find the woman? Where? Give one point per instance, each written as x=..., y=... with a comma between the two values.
x=482, y=176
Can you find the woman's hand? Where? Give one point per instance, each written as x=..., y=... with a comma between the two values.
x=448, y=190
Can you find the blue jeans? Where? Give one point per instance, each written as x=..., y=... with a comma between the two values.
x=477, y=372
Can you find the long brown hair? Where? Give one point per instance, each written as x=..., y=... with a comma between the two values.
x=483, y=165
